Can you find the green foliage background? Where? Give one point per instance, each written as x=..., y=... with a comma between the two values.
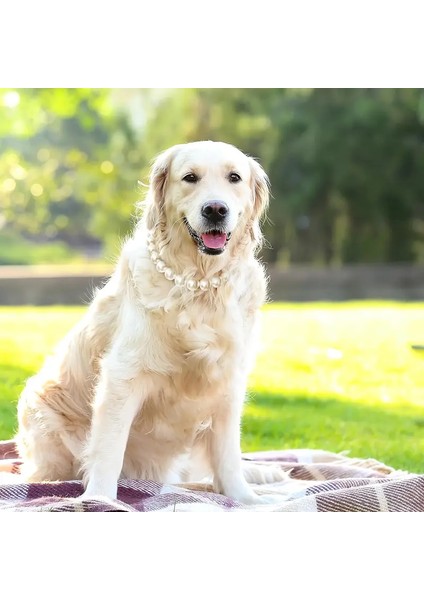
x=345, y=164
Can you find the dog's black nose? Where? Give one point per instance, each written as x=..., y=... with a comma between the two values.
x=215, y=211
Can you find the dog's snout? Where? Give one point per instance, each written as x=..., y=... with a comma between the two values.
x=215, y=211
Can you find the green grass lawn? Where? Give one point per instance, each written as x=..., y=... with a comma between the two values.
x=331, y=376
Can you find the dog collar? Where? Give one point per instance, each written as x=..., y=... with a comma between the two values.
x=180, y=281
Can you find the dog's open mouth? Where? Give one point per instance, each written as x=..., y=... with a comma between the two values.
x=213, y=241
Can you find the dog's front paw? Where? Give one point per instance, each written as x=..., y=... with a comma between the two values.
x=255, y=473
x=91, y=497
x=100, y=490
x=250, y=498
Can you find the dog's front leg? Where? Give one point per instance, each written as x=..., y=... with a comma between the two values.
x=225, y=450
x=117, y=400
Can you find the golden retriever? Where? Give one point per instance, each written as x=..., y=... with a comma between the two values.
x=151, y=383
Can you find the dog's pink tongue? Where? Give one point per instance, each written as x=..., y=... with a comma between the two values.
x=214, y=240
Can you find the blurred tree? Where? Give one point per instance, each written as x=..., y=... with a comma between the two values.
x=68, y=165
x=345, y=164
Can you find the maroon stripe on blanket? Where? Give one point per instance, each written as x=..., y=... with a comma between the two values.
x=55, y=489
x=406, y=495
x=144, y=495
x=174, y=499
x=141, y=496
x=337, y=485
x=132, y=491
x=362, y=499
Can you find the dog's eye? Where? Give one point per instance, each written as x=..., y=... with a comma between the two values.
x=191, y=178
x=234, y=177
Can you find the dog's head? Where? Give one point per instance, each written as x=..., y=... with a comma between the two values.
x=215, y=191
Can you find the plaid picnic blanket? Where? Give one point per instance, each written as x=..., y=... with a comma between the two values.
x=318, y=481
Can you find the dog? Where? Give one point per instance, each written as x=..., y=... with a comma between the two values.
x=151, y=382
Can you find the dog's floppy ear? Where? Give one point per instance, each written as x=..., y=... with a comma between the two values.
x=154, y=205
x=260, y=190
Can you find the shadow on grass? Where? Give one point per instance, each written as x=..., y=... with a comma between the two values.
x=393, y=434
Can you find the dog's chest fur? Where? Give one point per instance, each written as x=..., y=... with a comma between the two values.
x=202, y=349
x=202, y=339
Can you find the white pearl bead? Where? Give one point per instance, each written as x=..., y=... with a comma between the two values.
x=161, y=266
x=191, y=284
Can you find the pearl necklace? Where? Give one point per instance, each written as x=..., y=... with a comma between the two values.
x=179, y=280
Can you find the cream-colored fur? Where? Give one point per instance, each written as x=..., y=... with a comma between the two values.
x=151, y=382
